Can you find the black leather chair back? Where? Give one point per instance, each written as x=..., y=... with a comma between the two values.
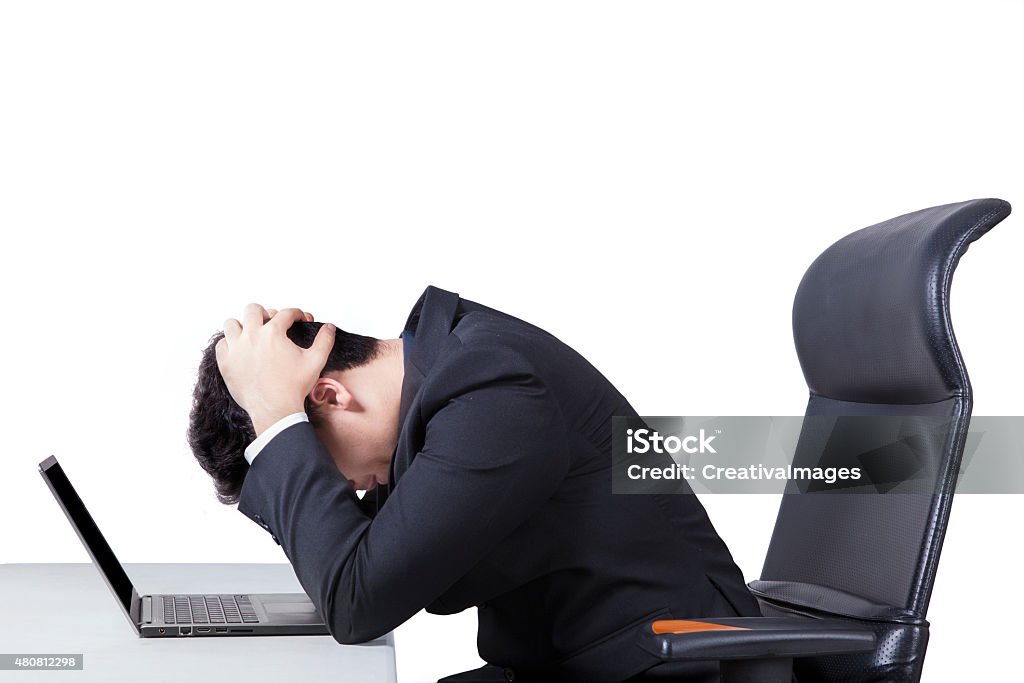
x=873, y=334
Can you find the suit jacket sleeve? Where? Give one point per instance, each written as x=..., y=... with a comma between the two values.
x=492, y=453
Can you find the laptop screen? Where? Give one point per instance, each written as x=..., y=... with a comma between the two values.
x=102, y=556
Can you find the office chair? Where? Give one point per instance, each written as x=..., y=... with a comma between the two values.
x=845, y=586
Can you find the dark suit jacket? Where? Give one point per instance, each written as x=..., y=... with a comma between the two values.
x=500, y=498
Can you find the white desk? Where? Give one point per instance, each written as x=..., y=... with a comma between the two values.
x=67, y=608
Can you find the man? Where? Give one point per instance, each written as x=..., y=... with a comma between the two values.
x=493, y=441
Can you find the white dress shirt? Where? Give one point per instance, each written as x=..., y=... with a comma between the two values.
x=253, y=449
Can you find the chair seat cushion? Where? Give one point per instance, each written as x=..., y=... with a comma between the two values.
x=831, y=601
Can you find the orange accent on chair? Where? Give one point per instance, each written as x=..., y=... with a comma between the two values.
x=678, y=626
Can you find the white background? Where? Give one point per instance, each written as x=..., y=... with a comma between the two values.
x=648, y=181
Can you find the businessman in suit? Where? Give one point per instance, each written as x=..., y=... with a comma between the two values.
x=484, y=444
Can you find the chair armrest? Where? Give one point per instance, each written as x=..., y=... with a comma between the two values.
x=726, y=638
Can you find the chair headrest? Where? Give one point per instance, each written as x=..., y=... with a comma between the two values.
x=871, y=315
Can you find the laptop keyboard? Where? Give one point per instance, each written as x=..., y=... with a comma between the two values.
x=209, y=609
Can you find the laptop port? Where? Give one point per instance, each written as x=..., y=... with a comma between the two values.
x=185, y=631
x=221, y=630
x=241, y=630
x=202, y=630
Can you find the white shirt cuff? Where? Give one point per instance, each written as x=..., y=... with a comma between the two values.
x=253, y=449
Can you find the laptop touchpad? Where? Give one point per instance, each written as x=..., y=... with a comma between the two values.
x=292, y=612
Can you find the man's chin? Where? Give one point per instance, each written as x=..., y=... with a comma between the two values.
x=367, y=485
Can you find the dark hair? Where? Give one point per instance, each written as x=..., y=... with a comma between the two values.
x=219, y=430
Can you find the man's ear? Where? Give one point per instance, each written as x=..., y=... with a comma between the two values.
x=329, y=393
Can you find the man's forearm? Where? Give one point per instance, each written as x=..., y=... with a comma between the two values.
x=320, y=536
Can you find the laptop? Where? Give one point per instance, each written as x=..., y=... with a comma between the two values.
x=191, y=615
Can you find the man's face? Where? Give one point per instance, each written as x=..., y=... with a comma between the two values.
x=361, y=444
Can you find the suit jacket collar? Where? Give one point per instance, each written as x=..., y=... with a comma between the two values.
x=431, y=321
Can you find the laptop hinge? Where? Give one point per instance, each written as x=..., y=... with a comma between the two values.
x=135, y=611
x=147, y=609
